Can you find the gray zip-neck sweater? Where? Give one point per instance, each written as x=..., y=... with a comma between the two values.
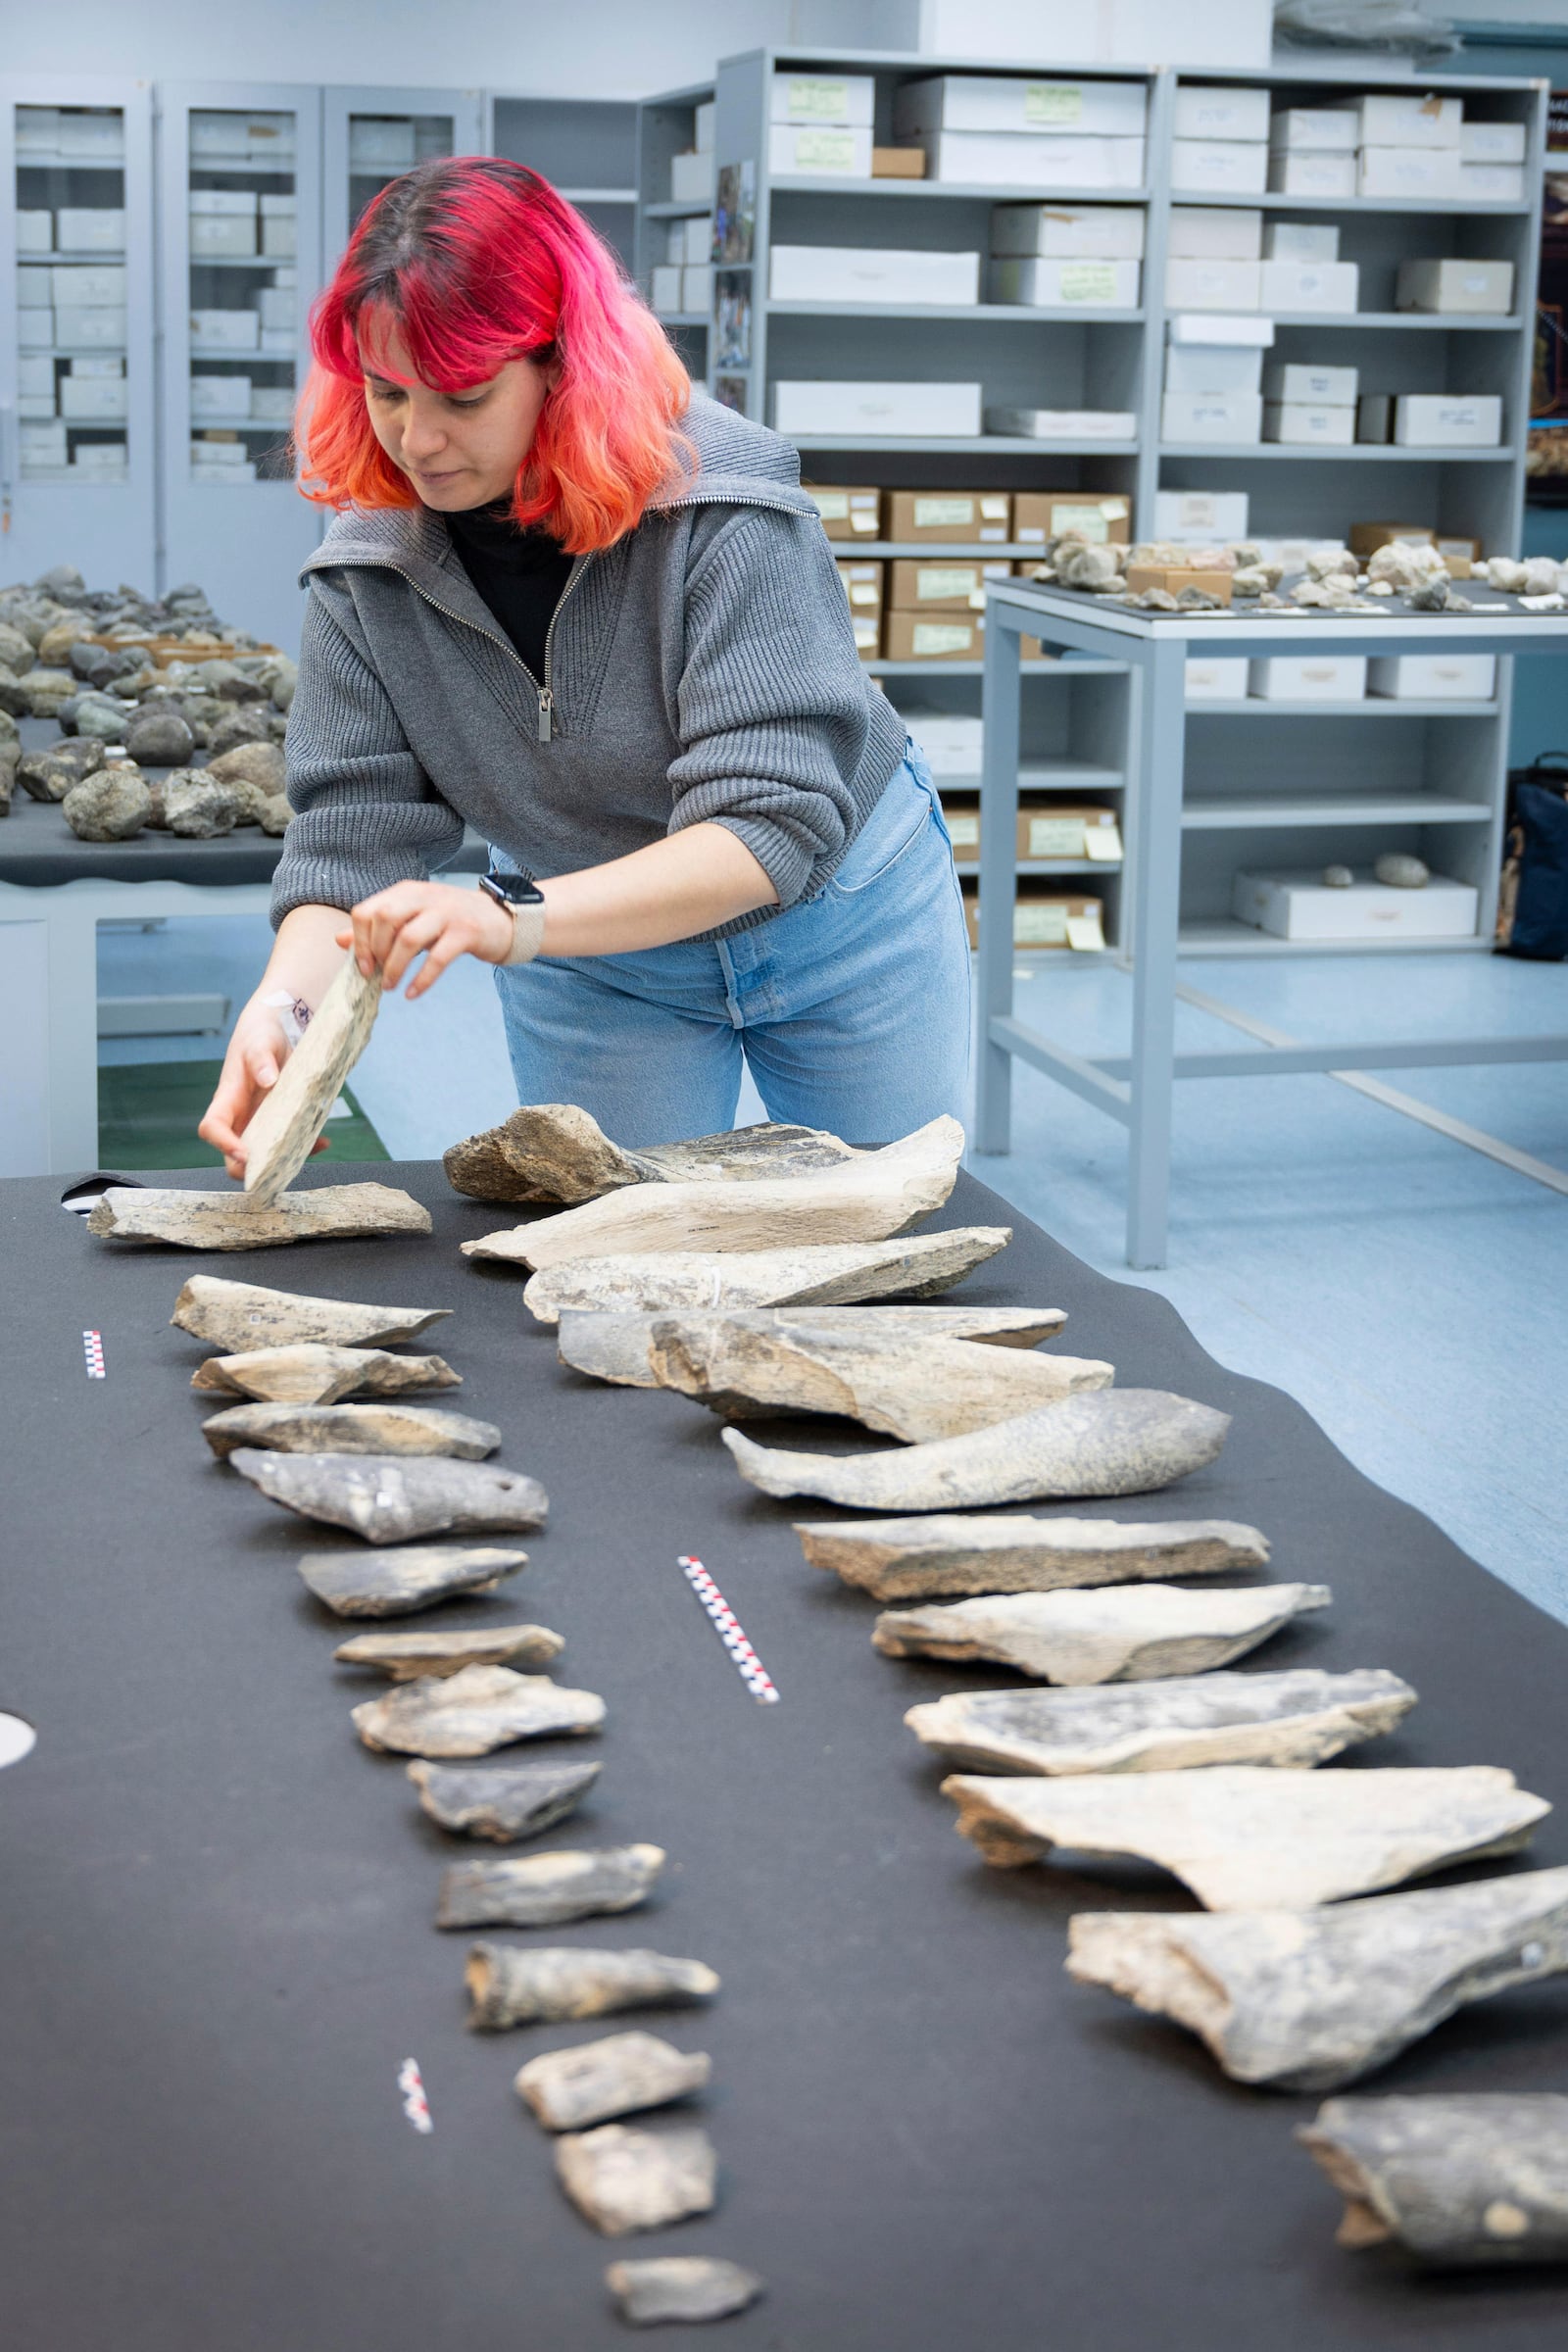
x=702, y=669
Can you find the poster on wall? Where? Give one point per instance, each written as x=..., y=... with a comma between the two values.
x=1546, y=454
x=731, y=392
x=735, y=212
x=732, y=319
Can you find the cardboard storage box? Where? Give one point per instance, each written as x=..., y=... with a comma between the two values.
x=1299, y=904
x=1063, y=425
x=1220, y=111
x=1200, y=517
x=952, y=740
x=920, y=585
x=102, y=461
x=1325, y=174
x=1019, y=103
x=867, y=629
x=92, y=400
x=1213, y=367
x=950, y=517
x=1308, y=678
x=1492, y=183
x=1491, y=142
x=1222, y=417
x=221, y=395
x=1365, y=538
x=1405, y=171
x=1427, y=121
x=1321, y=387
x=1048, y=284
x=863, y=584
x=848, y=513
x=867, y=411
x=1300, y=241
x=1307, y=423
x=1011, y=159
x=1215, y=233
x=1062, y=829
x=1433, y=677
x=873, y=274
x=1174, y=578
x=691, y=178
x=1068, y=232
x=36, y=375
x=821, y=98
x=1310, y=285
x=224, y=330
x=1482, y=289
x=1217, y=678
x=87, y=286
x=223, y=204
x=1041, y=514
x=85, y=228
x=220, y=237
x=898, y=163
x=1445, y=420
x=703, y=126
x=960, y=813
x=1221, y=166
x=1314, y=130
x=939, y=637
x=96, y=329
x=1212, y=285
x=1046, y=918
x=798, y=150
x=695, y=239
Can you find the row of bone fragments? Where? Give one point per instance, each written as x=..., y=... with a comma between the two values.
x=1335, y=579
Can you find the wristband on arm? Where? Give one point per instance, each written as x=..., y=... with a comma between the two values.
x=524, y=901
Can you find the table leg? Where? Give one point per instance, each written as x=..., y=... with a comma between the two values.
x=1159, y=726
x=999, y=859
x=71, y=1015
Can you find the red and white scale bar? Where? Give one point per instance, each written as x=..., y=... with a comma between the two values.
x=730, y=1630
x=92, y=1348
x=415, y=2105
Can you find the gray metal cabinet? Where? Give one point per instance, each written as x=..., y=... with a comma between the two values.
x=370, y=135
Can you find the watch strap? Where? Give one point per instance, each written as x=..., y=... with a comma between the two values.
x=527, y=932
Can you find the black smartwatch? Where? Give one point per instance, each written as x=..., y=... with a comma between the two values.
x=511, y=891
x=524, y=901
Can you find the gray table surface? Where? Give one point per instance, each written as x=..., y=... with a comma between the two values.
x=217, y=1949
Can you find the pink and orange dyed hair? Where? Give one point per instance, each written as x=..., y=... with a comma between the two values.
x=472, y=262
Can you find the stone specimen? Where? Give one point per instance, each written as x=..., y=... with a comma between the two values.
x=49, y=774
x=388, y=1501
x=903, y=1386
x=406, y=1657
x=201, y=809
x=381, y=1429
x=1457, y=2178
x=556, y=1152
x=504, y=1802
x=594, y=2082
x=243, y=1315
x=161, y=737
x=259, y=765
x=676, y=2286
x=559, y=1984
x=920, y=1265
x=867, y=1199
x=1137, y=1636
x=1110, y=1441
x=548, y=1890
x=621, y=2180
x=279, y=1137
x=395, y=1584
x=1338, y=877
x=113, y=803
x=1397, y=871
x=910, y=1559
x=1245, y=1838
x=331, y=1212
x=273, y=816
x=311, y=1373
x=1296, y=1718
x=46, y=689
x=472, y=1711
x=614, y=1346
x=1308, y=2000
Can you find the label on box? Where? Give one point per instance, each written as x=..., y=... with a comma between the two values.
x=1088, y=281
x=942, y=514
x=963, y=827
x=1056, y=837
x=1091, y=523
x=933, y=637
x=1084, y=933
x=832, y=505
x=1059, y=105
x=825, y=150
x=819, y=100
x=1103, y=843
x=1037, y=924
x=937, y=583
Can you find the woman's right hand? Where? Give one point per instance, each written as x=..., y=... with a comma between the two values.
x=257, y=1052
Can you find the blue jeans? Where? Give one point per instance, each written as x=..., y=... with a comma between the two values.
x=851, y=1008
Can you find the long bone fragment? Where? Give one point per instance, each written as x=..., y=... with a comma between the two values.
x=339, y=1429
x=556, y=1152
x=388, y=1500
x=680, y=2287
x=503, y=1802
x=912, y=1559
x=561, y=1983
x=1457, y=2177
x=396, y=1583
x=473, y=1711
x=192, y=1220
x=594, y=2082
x=548, y=1890
x=623, y=2179
x=409, y=1658
x=245, y=1315
x=312, y=1374
x=1139, y=1634
x=280, y=1137
x=610, y=1346
x=918, y=1265
x=1309, y=2000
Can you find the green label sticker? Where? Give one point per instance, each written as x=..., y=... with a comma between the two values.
x=1089, y=521
x=824, y=149
x=928, y=637
x=1052, y=103
x=943, y=513
x=832, y=505
x=1056, y=837
x=1039, y=923
x=936, y=583
x=813, y=100
x=1088, y=281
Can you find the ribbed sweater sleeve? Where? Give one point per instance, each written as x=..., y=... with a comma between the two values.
x=365, y=815
x=772, y=698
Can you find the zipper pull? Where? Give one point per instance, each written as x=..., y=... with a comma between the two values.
x=546, y=705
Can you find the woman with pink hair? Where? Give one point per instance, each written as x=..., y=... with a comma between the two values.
x=573, y=603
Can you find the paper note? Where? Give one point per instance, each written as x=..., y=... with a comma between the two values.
x=1052, y=103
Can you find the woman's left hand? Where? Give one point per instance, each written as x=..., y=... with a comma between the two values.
x=429, y=918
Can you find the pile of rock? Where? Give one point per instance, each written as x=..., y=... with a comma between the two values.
x=111, y=799
x=1216, y=578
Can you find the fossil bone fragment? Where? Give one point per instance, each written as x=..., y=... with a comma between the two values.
x=1457, y=2178
x=1109, y=1441
x=473, y=1711
x=1246, y=1838
x=388, y=1500
x=676, y=2286
x=1129, y=1635
x=504, y=1802
x=409, y=1658
x=243, y=1315
x=614, y=1346
x=1296, y=1718
x=909, y=1559
x=279, y=1137
x=623, y=2179
x=555, y=1151
x=1310, y=2000
x=913, y=1388
x=867, y=1199
x=594, y=2082
x=395, y=1584
x=340, y=1429
x=918, y=1265
x=191, y=1220
x=548, y=1890
x=312, y=1374
x=555, y=1984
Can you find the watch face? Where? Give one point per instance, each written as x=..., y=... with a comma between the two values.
x=513, y=890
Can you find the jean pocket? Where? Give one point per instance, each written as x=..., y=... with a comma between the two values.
x=896, y=822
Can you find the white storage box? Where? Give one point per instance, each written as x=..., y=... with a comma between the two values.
x=1319, y=387
x=1220, y=326
x=1443, y=420
x=663, y=289
x=1220, y=111
x=1300, y=241
x=1403, y=172
x=1492, y=142
x=277, y=306
x=846, y=98
x=695, y=240
x=1314, y=130
x=1308, y=678
x=1424, y=122
x=1211, y=368
x=271, y=404
x=1306, y=424
x=36, y=330
x=1199, y=35
x=1006, y=158
x=1216, y=678
x=201, y=470
x=1300, y=904
x=703, y=127
x=1493, y=183
x=35, y=232
x=1214, y=233
x=92, y=137
x=1225, y=167
x=952, y=741
x=1330, y=286
x=278, y=208
x=691, y=178
x=100, y=328
x=1063, y=425
x=225, y=204
x=1016, y=103
x=808, y=150
x=224, y=330
x=1433, y=677
x=35, y=288
x=873, y=274
x=1214, y=285
x=1482, y=288
x=226, y=450
x=41, y=444
x=1324, y=173
x=279, y=236
x=219, y=132
x=1070, y=232
x=88, y=229
x=1200, y=517
x=949, y=411
x=37, y=129
x=381, y=145
x=100, y=366
x=214, y=237
x=277, y=342
x=1051, y=285
x=225, y=396
x=36, y=406
x=101, y=460
x=90, y=399
x=87, y=286
x=697, y=287
x=1223, y=416
x=35, y=375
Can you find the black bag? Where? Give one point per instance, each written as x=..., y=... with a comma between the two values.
x=1533, y=902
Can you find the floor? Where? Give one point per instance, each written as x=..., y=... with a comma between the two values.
x=1411, y=1294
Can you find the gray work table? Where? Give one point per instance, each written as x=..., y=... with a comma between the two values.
x=1153, y=648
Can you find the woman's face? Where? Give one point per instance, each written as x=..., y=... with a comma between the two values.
x=459, y=449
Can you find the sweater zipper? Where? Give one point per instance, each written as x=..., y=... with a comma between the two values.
x=545, y=692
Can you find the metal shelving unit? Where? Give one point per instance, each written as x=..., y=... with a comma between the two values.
x=585, y=147
x=667, y=126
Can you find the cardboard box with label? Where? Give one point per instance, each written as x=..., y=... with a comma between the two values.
x=937, y=637
x=220, y=394
x=1314, y=130
x=1319, y=387
x=1299, y=904
x=1327, y=173
x=960, y=813
x=87, y=229
x=1221, y=417
x=1200, y=517
x=1219, y=167
x=951, y=740
x=1009, y=159
x=1405, y=171
x=1331, y=286
x=895, y=410
x=1041, y=514
x=1046, y=918
x=1492, y=183
x=89, y=399
x=1221, y=111
x=1019, y=103
x=1433, y=677
x=224, y=330
x=35, y=232
x=950, y=517
x=873, y=274
x=938, y=586
x=87, y=286
x=691, y=177
x=1483, y=289
x=663, y=289
x=1057, y=829
x=1217, y=678
x=898, y=163
x=863, y=586
x=1491, y=142
x=99, y=328
x=1365, y=538
x=848, y=513
x=1068, y=232
x=1214, y=232
x=223, y=237
x=1442, y=420
x=1300, y=241
x=846, y=98
x=1308, y=678
x=1308, y=423
x=1427, y=121
x=1174, y=578
x=1213, y=369
x=1048, y=284
x=804, y=151
x=1212, y=285
x=1063, y=425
